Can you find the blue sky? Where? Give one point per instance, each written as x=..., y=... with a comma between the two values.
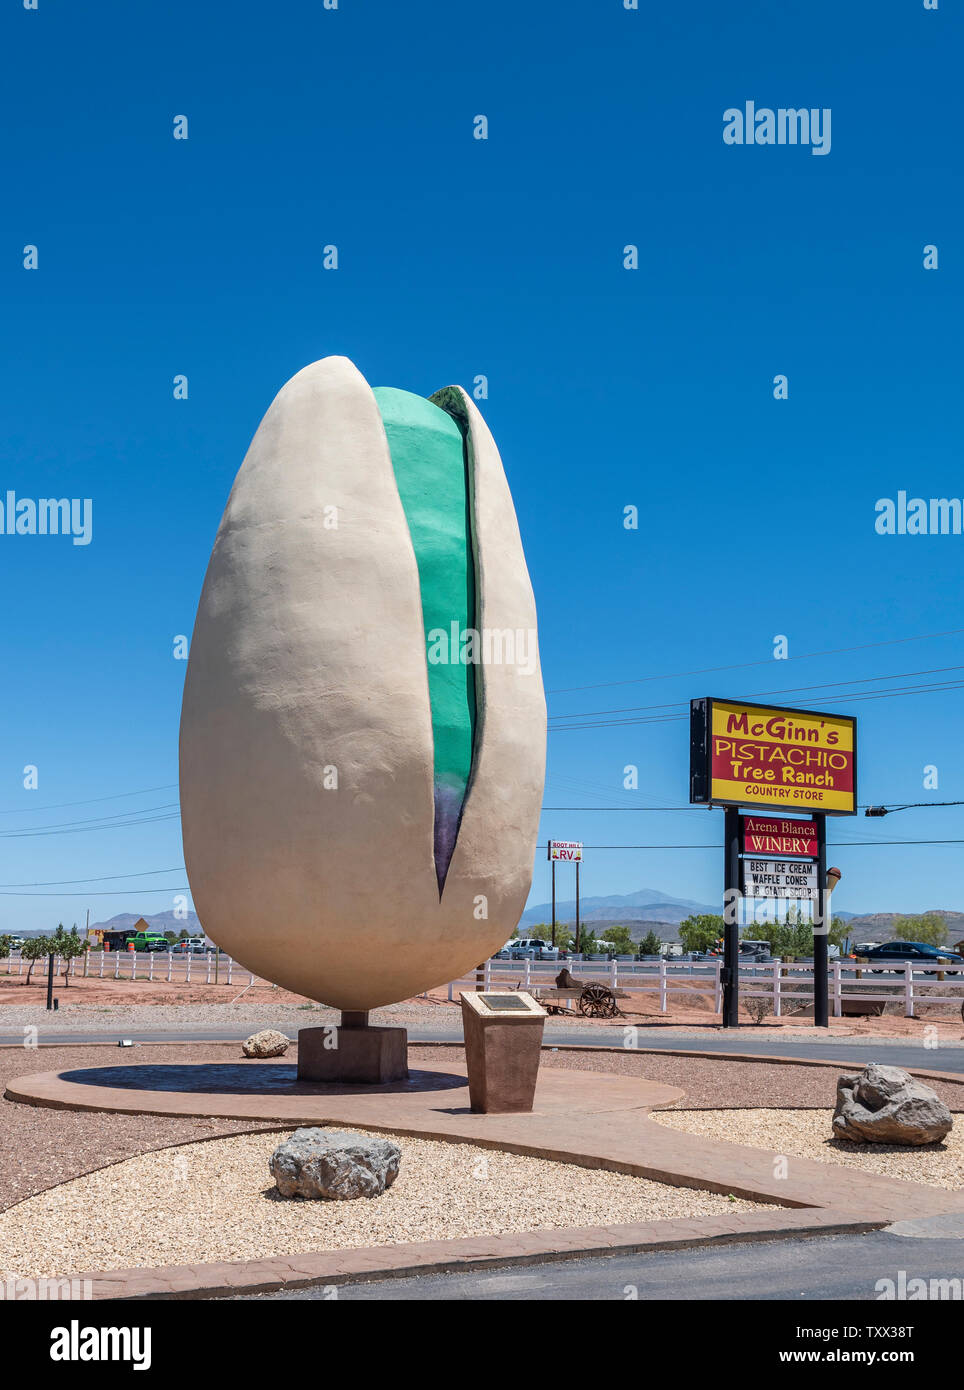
x=607, y=387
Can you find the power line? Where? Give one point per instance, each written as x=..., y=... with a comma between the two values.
x=933, y=688
x=785, y=690
x=101, y=878
x=60, y=805
x=862, y=805
x=98, y=823
x=837, y=844
x=744, y=665
x=111, y=893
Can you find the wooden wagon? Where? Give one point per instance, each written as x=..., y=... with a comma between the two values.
x=591, y=998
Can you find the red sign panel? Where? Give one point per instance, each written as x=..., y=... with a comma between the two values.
x=786, y=838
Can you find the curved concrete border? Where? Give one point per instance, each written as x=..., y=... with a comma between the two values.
x=484, y=1252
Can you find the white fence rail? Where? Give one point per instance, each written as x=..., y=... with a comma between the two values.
x=780, y=982
x=169, y=966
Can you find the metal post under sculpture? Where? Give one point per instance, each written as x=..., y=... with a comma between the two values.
x=362, y=748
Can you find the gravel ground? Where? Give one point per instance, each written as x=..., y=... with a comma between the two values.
x=41, y=1147
x=807, y=1134
x=711, y=1082
x=263, y=1013
x=216, y=1201
x=173, y=1007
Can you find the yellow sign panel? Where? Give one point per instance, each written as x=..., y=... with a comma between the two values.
x=777, y=758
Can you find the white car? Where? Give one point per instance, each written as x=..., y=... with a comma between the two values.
x=533, y=948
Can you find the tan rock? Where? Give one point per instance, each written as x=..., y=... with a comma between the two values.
x=268, y=1043
x=885, y=1105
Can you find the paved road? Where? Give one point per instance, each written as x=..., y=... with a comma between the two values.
x=853, y=1051
x=820, y=1268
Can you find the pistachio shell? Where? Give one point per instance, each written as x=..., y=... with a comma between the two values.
x=309, y=655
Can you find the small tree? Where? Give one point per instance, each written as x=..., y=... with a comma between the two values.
x=838, y=933
x=929, y=927
x=792, y=937
x=700, y=932
x=651, y=945
x=619, y=939
x=67, y=945
x=33, y=949
x=542, y=931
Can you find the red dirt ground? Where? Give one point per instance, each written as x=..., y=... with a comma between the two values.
x=642, y=1010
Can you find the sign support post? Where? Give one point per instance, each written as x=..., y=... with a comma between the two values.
x=731, y=917
x=571, y=852
x=553, y=900
x=821, y=904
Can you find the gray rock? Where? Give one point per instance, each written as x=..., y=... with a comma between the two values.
x=324, y=1166
x=885, y=1105
x=268, y=1043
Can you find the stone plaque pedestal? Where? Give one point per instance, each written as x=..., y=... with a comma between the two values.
x=353, y=1052
x=502, y=1049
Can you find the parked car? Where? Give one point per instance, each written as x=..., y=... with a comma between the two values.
x=757, y=949
x=532, y=948
x=913, y=951
x=193, y=945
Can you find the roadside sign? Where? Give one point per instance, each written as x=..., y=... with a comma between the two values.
x=784, y=838
x=779, y=878
x=771, y=757
x=568, y=850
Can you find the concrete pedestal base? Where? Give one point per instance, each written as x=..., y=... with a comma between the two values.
x=502, y=1052
x=368, y=1055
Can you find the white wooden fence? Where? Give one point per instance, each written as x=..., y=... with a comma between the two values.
x=777, y=981
x=208, y=969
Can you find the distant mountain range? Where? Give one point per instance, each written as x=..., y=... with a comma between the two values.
x=125, y=921
x=157, y=921
x=650, y=910
x=643, y=911
x=646, y=905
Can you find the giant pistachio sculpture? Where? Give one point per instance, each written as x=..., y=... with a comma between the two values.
x=363, y=726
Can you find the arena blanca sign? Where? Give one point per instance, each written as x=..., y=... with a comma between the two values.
x=767, y=835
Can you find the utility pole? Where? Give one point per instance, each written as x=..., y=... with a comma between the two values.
x=553, y=900
x=821, y=1003
x=731, y=917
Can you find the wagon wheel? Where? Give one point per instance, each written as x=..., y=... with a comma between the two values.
x=596, y=1001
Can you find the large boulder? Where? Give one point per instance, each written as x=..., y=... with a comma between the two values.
x=885, y=1105
x=268, y=1043
x=326, y=1166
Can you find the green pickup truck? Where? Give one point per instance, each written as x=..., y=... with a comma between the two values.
x=148, y=941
